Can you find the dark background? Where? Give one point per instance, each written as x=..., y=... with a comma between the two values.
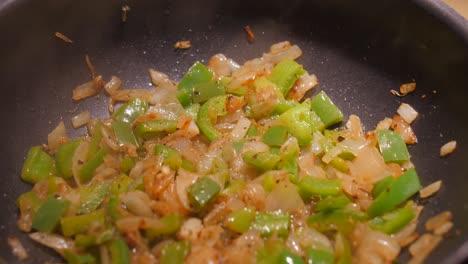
x=358, y=49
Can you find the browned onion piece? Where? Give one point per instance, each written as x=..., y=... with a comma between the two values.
x=400, y=126
x=88, y=89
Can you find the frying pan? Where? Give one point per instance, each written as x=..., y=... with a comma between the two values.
x=358, y=49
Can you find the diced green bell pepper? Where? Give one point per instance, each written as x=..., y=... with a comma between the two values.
x=72, y=225
x=275, y=136
x=330, y=203
x=261, y=160
x=168, y=225
x=342, y=249
x=285, y=74
x=153, y=128
x=127, y=164
x=95, y=141
x=196, y=75
x=209, y=111
x=300, y=122
x=28, y=203
x=192, y=111
x=203, y=191
x=284, y=105
x=326, y=109
x=171, y=157
x=37, y=166
x=316, y=256
x=392, y=222
x=234, y=187
x=392, y=146
x=48, y=215
x=402, y=189
x=86, y=172
x=85, y=241
x=287, y=257
x=124, y=133
x=113, y=207
x=240, y=220
x=204, y=91
x=267, y=223
x=382, y=185
x=119, y=252
x=309, y=186
x=64, y=156
x=92, y=196
x=129, y=111
x=270, y=252
x=174, y=252
x=120, y=184
x=74, y=258
x=342, y=220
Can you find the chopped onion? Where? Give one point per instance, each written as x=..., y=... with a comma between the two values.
x=443, y=229
x=88, y=89
x=407, y=113
x=190, y=229
x=125, y=95
x=113, y=85
x=302, y=85
x=79, y=157
x=137, y=202
x=81, y=119
x=437, y=220
x=240, y=129
x=348, y=145
x=407, y=88
x=17, y=248
x=448, y=148
x=219, y=65
x=384, y=124
x=402, y=127
x=57, y=137
x=369, y=165
x=423, y=247
x=355, y=127
x=161, y=80
x=374, y=246
x=185, y=179
x=291, y=52
x=56, y=242
x=430, y=189
x=285, y=197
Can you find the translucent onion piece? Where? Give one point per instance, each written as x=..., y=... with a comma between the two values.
x=81, y=119
x=56, y=242
x=407, y=113
x=57, y=137
x=448, y=148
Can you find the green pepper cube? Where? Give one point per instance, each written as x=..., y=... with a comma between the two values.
x=129, y=111
x=299, y=122
x=392, y=146
x=48, y=215
x=73, y=225
x=394, y=221
x=171, y=157
x=86, y=172
x=119, y=252
x=203, y=191
x=317, y=256
x=174, y=252
x=343, y=220
x=192, y=111
x=197, y=74
x=209, y=112
x=94, y=144
x=287, y=257
x=261, y=160
x=267, y=223
x=382, y=185
x=270, y=251
x=127, y=164
x=326, y=109
x=402, y=189
x=64, y=156
x=275, y=136
x=204, y=91
x=284, y=105
x=153, y=128
x=124, y=133
x=285, y=74
x=330, y=203
x=239, y=221
x=92, y=196
x=309, y=186
x=37, y=166
x=74, y=258
x=167, y=225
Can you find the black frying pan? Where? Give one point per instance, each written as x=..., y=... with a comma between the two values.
x=358, y=49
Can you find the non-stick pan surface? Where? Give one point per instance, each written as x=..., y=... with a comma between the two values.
x=358, y=49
